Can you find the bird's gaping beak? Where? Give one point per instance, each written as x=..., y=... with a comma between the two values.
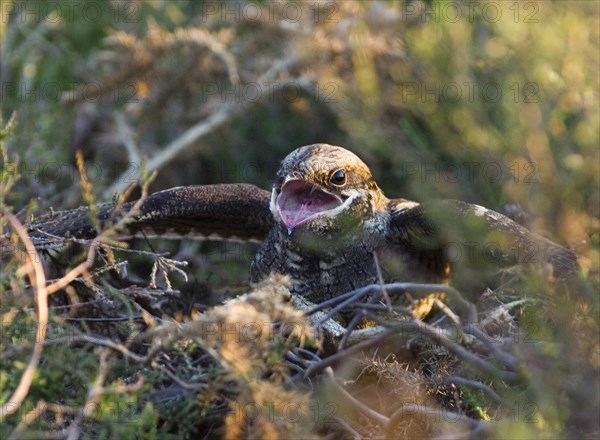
x=301, y=201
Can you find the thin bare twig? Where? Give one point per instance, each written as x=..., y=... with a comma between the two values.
x=320, y=366
x=378, y=418
x=76, y=271
x=460, y=351
x=178, y=381
x=94, y=394
x=334, y=301
x=388, y=302
x=100, y=341
x=125, y=133
x=504, y=357
x=349, y=329
x=475, y=384
x=191, y=135
x=435, y=413
x=358, y=317
x=356, y=296
x=37, y=278
x=467, y=310
x=439, y=336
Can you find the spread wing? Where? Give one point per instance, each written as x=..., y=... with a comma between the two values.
x=470, y=236
x=227, y=211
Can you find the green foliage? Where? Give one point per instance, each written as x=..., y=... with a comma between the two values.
x=498, y=111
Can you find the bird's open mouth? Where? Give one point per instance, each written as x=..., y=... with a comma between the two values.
x=301, y=201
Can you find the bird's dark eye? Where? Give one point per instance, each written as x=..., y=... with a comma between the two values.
x=338, y=177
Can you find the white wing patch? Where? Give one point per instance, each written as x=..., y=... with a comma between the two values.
x=405, y=205
x=480, y=211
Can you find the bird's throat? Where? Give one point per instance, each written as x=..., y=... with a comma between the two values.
x=301, y=201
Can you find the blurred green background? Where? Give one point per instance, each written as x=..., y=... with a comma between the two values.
x=490, y=102
x=494, y=103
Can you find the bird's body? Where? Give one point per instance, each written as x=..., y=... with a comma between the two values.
x=324, y=224
x=317, y=274
x=326, y=232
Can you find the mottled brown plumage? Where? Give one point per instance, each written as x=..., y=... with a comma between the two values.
x=329, y=251
x=321, y=224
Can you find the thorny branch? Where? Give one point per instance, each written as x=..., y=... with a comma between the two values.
x=409, y=326
x=368, y=303
x=415, y=326
x=468, y=311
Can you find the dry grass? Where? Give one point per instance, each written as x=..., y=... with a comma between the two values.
x=125, y=346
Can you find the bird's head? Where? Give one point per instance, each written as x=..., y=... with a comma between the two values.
x=325, y=192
